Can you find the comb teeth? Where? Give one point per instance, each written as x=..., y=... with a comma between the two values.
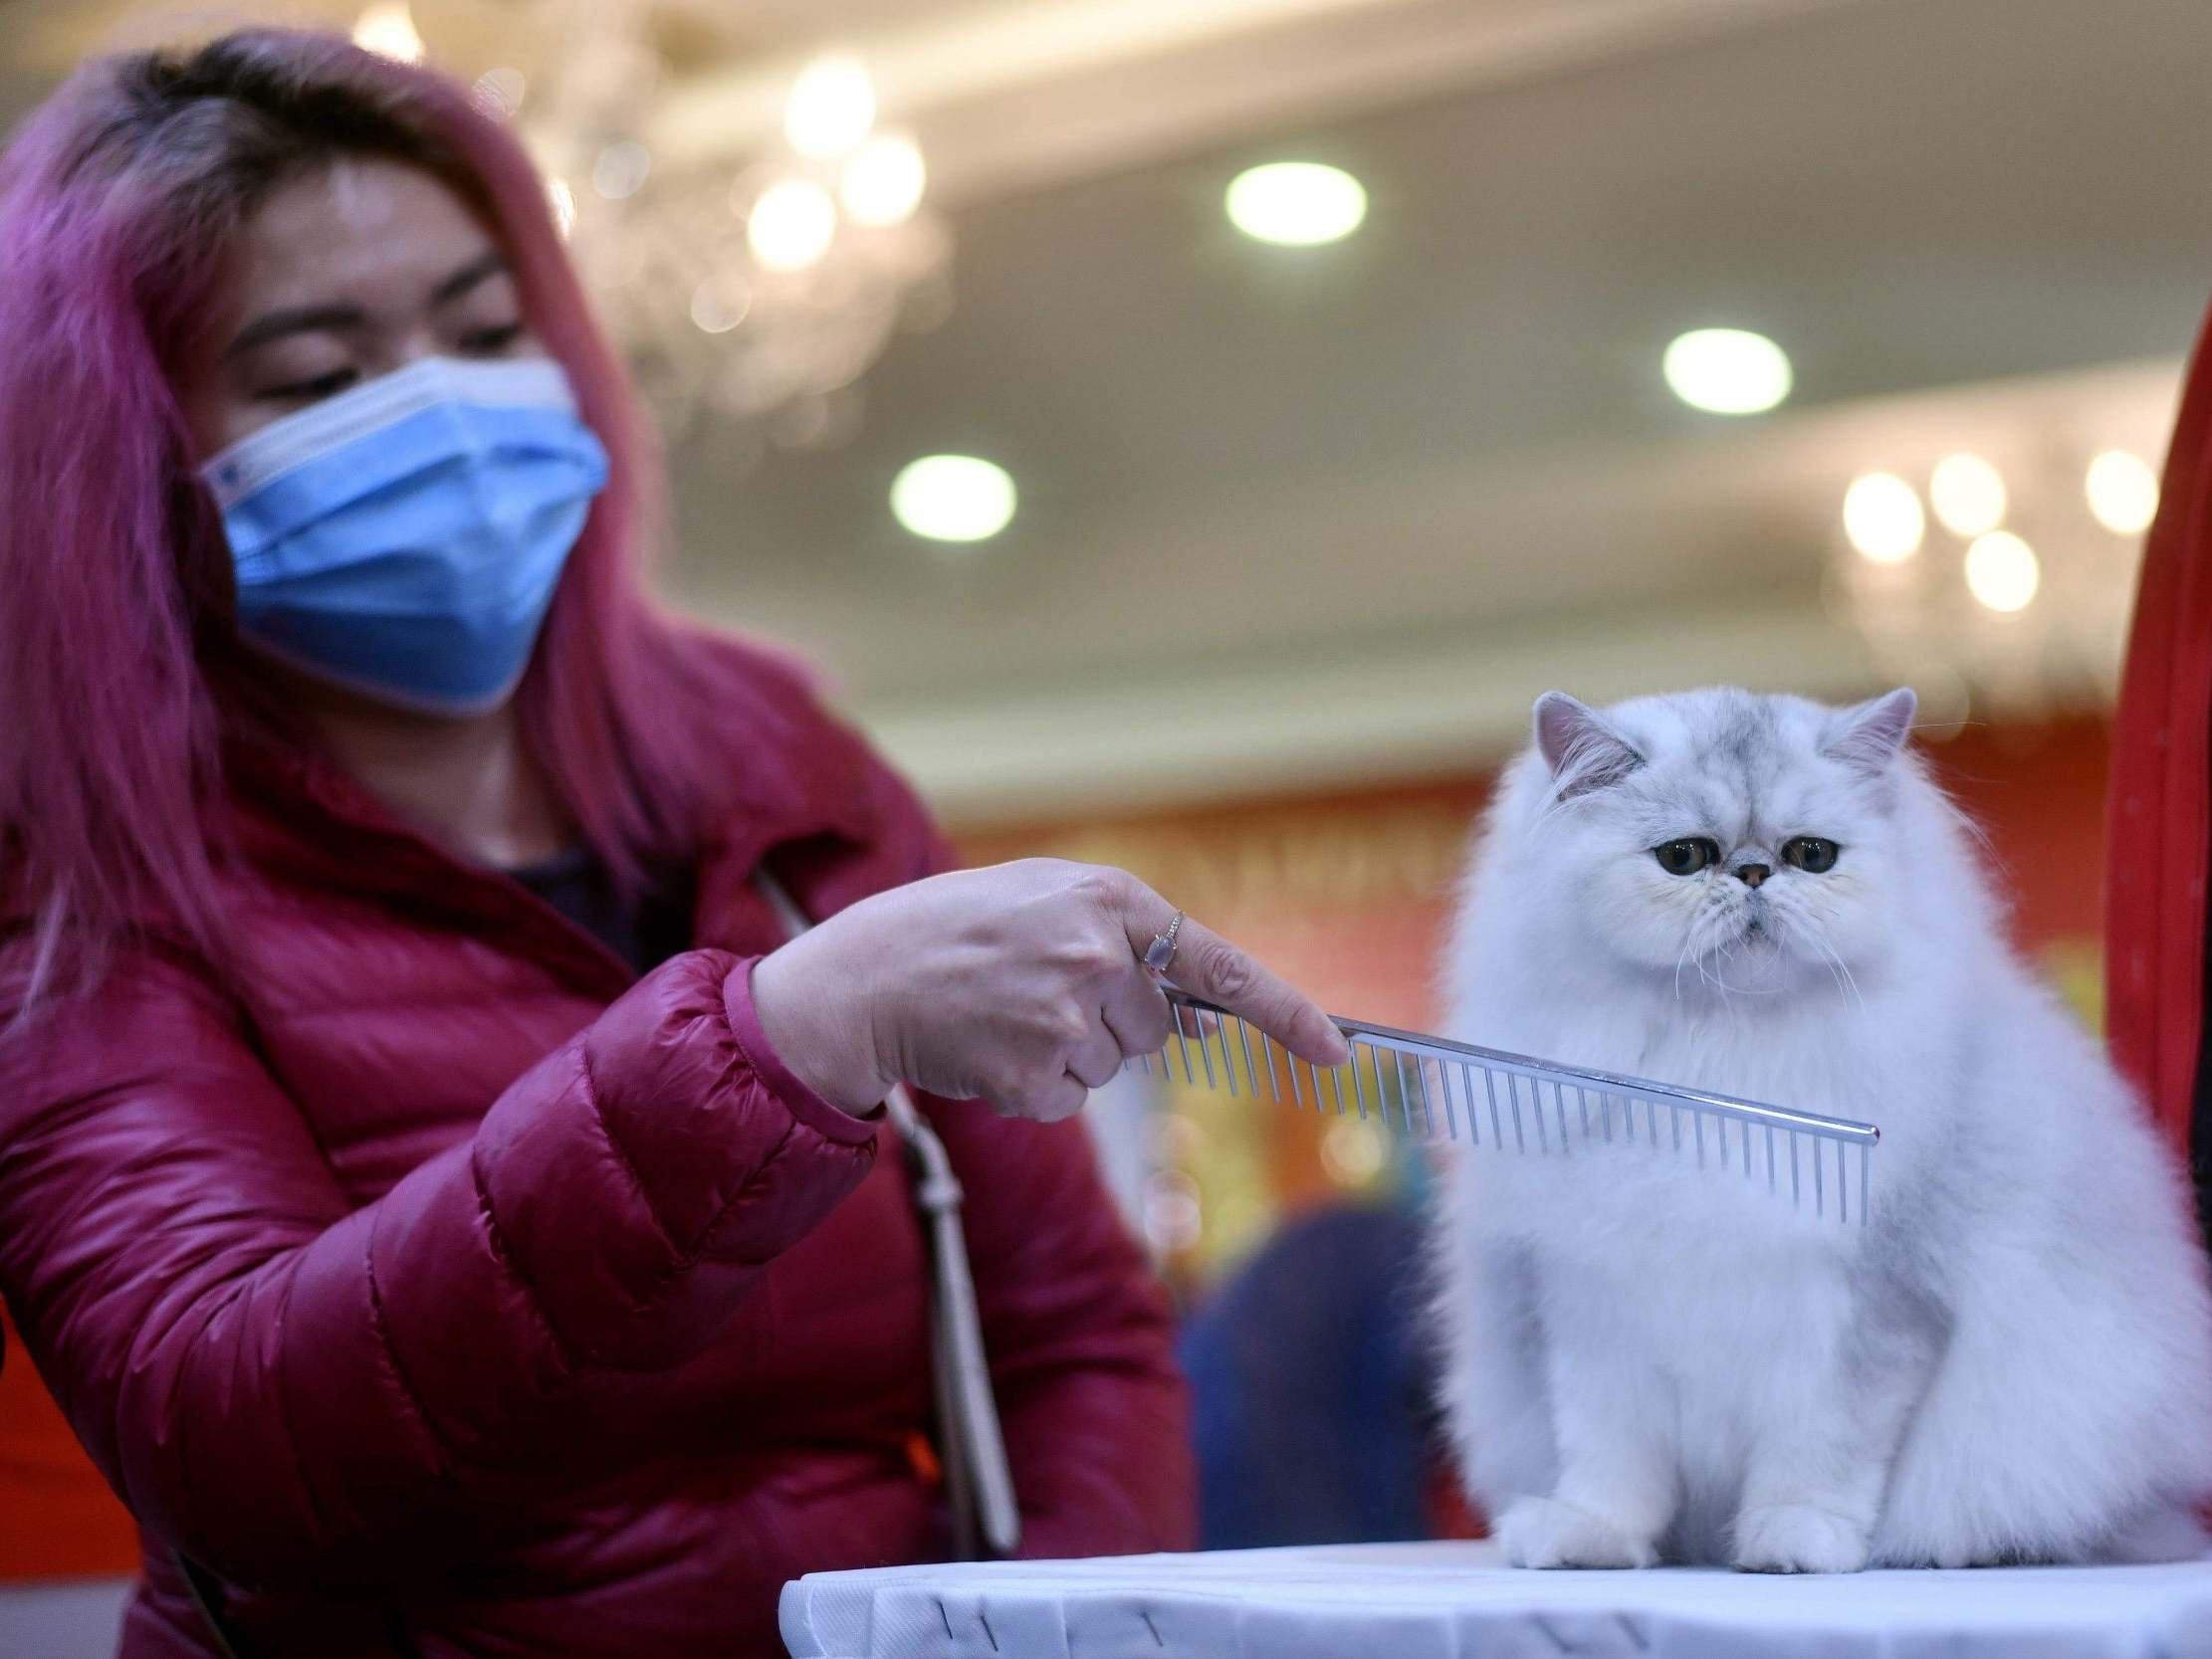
x=1429, y=1089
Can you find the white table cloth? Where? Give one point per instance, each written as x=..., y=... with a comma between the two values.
x=1457, y=1601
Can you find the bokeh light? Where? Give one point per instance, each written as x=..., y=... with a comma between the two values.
x=2122, y=492
x=952, y=498
x=2002, y=572
x=1968, y=494
x=1883, y=519
x=387, y=29
x=1727, y=371
x=831, y=107
x=1296, y=204
x=884, y=180
x=792, y=225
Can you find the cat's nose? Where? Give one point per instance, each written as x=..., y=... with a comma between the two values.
x=1751, y=875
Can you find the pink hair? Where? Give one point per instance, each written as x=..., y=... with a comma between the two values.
x=118, y=671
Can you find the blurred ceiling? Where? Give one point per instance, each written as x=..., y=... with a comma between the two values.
x=1300, y=517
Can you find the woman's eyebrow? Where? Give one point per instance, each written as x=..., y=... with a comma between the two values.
x=487, y=263
x=302, y=319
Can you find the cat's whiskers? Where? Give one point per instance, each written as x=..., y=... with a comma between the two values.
x=1720, y=956
x=1712, y=960
x=1837, y=968
x=1703, y=951
x=1834, y=964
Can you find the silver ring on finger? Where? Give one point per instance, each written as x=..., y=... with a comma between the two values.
x=1161, y=951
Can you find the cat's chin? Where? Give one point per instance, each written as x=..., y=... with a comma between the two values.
x=1756, y=965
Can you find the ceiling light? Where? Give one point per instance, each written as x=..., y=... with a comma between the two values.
x=1727, y=371
x=884, y=180
x=792, y=225
x=952, y=498
x=1296, y=204
x=388, y=29
x=2122, y=492
x=1968, y=495
x=832, y=106
x=2002, y=572
x=1882, y=518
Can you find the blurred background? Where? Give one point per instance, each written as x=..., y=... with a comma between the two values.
x=1189, y=433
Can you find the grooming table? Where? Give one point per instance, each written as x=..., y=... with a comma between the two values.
x=1459, y=1601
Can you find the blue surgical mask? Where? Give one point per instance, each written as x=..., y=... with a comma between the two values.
x=405, y=539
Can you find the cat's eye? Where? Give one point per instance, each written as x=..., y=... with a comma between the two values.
x=1686, y=856
x=1810, y=854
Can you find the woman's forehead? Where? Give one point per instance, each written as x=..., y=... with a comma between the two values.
x=358, y=230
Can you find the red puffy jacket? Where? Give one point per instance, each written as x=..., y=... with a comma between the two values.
x=444, y=1290
x=2160, y=810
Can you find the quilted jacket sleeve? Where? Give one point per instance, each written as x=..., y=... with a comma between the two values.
x=293, y=1391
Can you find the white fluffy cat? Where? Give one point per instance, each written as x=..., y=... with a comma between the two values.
x=1765, y=897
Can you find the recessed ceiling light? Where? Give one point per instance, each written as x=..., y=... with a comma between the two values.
x=1882, y=518
x=2001, y=571
x=1968, y=494
x=1296, y=204
x=952, y=498
x=1727, y=371
x=2122, y=492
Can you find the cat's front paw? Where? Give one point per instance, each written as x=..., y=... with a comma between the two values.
x=1796, y=1537
x=1543, y=1532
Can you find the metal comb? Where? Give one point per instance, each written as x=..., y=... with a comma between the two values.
x=1526, y=1103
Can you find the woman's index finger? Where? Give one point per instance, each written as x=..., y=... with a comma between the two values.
x=1210, y=966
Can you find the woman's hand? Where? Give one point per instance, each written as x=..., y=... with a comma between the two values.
x=1021, y=985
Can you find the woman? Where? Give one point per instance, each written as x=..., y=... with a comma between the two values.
x=2160, y=844
x=447, y=1210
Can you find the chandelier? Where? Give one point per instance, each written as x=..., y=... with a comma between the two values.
x=758, y=289
x=2004, y=588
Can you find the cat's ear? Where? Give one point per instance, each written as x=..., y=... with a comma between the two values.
x=1870, y=735
x=1582, y=752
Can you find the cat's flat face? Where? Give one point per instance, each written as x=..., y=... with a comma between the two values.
x=1743, y=842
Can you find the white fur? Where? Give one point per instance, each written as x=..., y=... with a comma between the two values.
x=1647, y=1361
